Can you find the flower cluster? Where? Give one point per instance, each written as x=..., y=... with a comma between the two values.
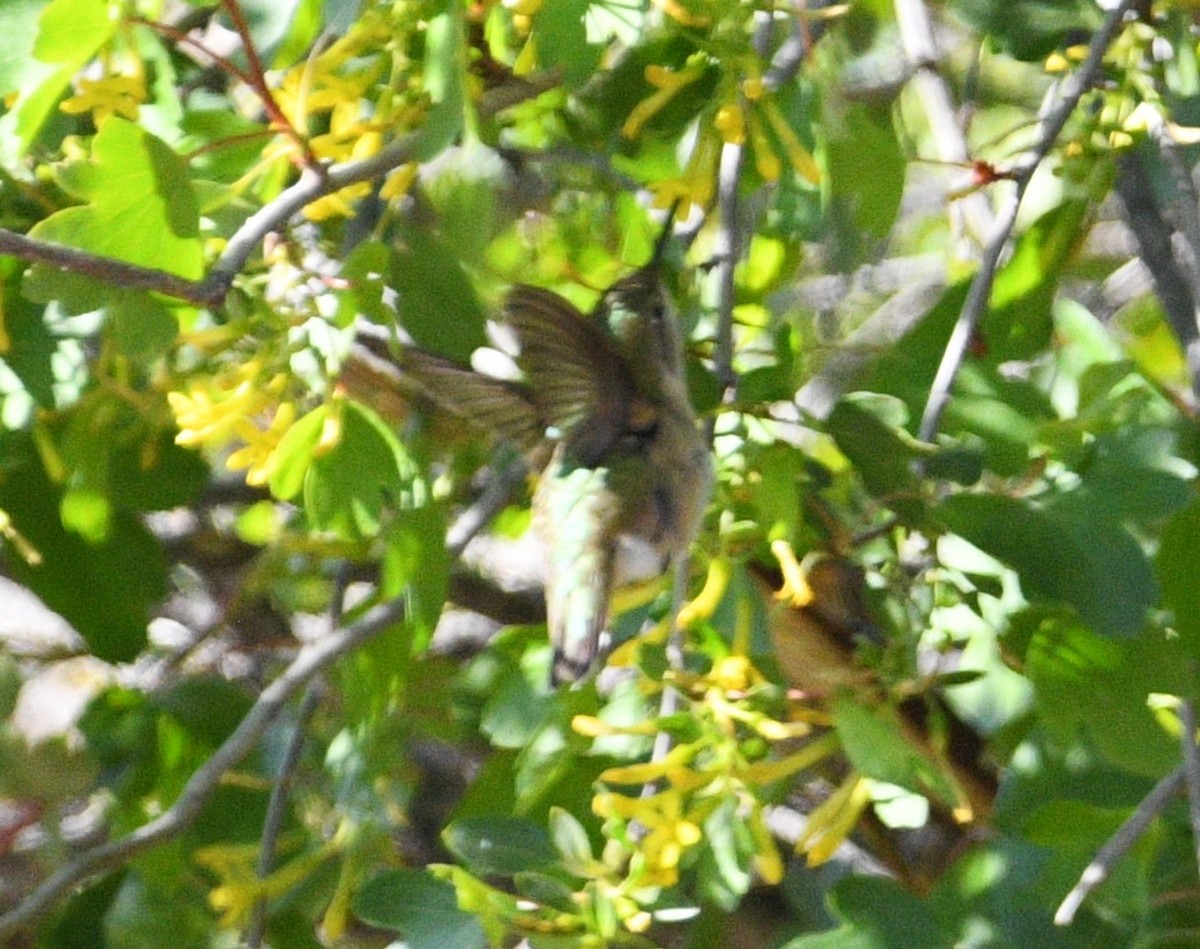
x=236, y=406
x=744, y=112
x=108, y=95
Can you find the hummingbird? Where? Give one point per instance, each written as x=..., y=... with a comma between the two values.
x=603, y=410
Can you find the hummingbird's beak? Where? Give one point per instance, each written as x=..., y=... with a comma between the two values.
x=660, y=246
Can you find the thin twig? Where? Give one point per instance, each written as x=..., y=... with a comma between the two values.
x=282, y=787
x=277, y=806
x=257, y=80
x=1049, y=128
x=310, y=661
x=1191, y=768
x=933, y=92
x=1118, y=844
x=211, y=290
x=115, y=272
x=504, y=480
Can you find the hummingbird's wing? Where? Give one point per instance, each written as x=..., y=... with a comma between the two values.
x=496, y=406
x=578, y=378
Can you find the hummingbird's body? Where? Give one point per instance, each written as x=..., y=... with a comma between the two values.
x=629, y=474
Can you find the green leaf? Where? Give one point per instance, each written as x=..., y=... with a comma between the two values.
x=866, y=171
x=424, y=910
x=880, y=916
x=294, y=453
x=1178, y=568
x=140, y=204
x=437, y=304
x=571, y=840
x=1085, y=683
x=19, y=27
x=445, y=69
x=141, y=326
x=869, y=430
x=561, y=37
x=349, y=489
x=1029, y=29
x=1097, y=568
x=209, y=707
x=1018, y=321
x=104, y=589
x=70, y=31
x=873, y=739
x=500, y=846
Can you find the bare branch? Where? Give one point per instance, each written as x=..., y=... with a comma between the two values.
x=949, y=140
x=115, y=272
x=1191, y=768
x=311, y=660
x=1118, y=845
x=211, y=291
x=1050, y=126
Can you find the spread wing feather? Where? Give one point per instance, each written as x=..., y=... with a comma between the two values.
x=495, y=406
x=575, y=373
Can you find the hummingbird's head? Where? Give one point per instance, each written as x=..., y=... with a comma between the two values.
x=640, y=314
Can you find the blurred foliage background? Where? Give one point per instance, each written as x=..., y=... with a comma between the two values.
x=283, y=679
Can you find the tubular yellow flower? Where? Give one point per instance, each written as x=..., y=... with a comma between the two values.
x=109, y=95
x=258, y=455
x=767, y=772
x=667, y=85
x=730, y=121
x=705, y=603
x=799, y=156
x=765, y=159
x=795, y=576
x=830, y=824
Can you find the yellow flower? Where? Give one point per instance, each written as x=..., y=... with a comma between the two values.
x=670, y=831
x=831, y=823
x=795, y=575
x=667, y=84
x=219, y=410
x=698, y=181
x=110, y=95
x=241, y=888
x=258, y=454
x=800, y=157
x=731, y=123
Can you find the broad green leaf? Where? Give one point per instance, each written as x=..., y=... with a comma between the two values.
x=366, y=477
x=209, y=707
x=142, y=327
x=445, y=70
x=561, y=37
x=500, y=846
x=437, y=304
x=1096, y=567
x=1018, y=321
x=70, y=31
x=1029, y=29
x=424, y=910
x=19, y=27
x=139, y=205
x=1100, y=686
x=873, y=738
x=1177, y=565
x=571, y=840
x=866, y=171
x=294, y=453
x=879, y=915
x=869, y=430
x=104, y=589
